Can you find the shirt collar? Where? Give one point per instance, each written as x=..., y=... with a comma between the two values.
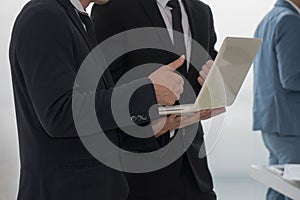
x=78, y=6
x=164, y=3
x=294, y=5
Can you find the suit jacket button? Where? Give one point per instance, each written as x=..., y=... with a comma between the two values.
x=144, y=117
x=139, y=118
x=133, y=118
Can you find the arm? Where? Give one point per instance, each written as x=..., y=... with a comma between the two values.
x=47, y=59
x=287, y=51
x=213, y=37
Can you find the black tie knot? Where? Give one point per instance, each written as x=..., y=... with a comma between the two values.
x=178, y=39
x=173, y=4
x=86, y=20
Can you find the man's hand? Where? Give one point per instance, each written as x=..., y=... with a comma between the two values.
x=165, y=124
x=187, y=120
x=204, y=71
x=167, y=84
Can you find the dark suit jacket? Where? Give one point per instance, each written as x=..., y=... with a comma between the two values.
x=122, y=15
x=47, y=48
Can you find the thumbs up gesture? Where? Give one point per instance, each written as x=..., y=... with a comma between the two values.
x=167, y=84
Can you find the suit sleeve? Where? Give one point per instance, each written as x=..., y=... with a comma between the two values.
x=46, y=55
x=288, y=54
x=213, y=36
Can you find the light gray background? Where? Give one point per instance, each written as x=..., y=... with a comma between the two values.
x=238, y=147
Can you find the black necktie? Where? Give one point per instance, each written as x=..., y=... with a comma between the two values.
x=88, y=26
x=178, y=40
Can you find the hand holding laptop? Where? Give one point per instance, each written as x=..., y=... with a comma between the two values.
x=173, y=122
x=192, y=118
x=204, y=71
x=223, y=79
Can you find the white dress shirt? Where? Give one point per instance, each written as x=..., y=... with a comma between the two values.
x=79, y=8
x=77, y=4
x=167, y=17
x=294, y=5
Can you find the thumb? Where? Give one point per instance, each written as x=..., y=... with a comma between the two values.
x=172, y=117
x=177, y=63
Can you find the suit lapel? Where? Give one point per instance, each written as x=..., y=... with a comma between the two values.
x=77, y=22
x=152, y=10
x=75, y=19
x=197, y=20
x=194, y=30
x=198, y=33
x=191, y=18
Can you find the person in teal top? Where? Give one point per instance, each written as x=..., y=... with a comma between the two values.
x=276, y=110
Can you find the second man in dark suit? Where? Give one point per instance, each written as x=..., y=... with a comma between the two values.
x=189, y=177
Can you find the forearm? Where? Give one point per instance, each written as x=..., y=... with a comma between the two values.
x=89, y=110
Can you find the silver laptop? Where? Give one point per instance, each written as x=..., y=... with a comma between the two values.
x=225, y=78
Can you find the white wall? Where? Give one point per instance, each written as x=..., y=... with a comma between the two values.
x=9, y=162
x=237, y=148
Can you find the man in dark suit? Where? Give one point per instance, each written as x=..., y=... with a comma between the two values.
x=188, y=177
x=50, y=40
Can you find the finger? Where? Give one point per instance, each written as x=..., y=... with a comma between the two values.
x=177, y=63
x=178, y=120
x=200, y=80
x=206, y=69
x=187, y=115
x=174, y=94
x=171, y=98
x=189, y=121
x=213, y=113
x=158, y=124
x=205, y=114
x=171, y=122
x=176, y=123
x=177, y=79
x=209, y=63
x=206, y=111
x=171, y=118
x=203, y=74
x=178, y=89
x=181, y=89
x=218, y=111
x=193, y=117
